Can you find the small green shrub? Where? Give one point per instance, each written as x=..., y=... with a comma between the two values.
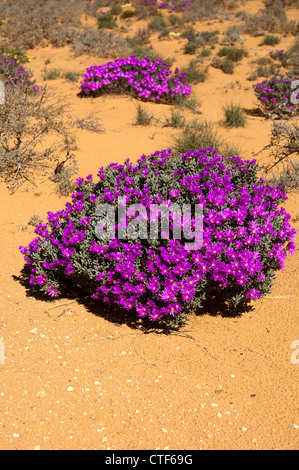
x=158, y=24
x=71, y=76
x=270, y=40
x=205, y=52
x=226, y=65
x=195, y=40
x=234, y=116
x=194, y=74
x=234, y=54
x=106, y=21
x=51, y=74
x=265, y=68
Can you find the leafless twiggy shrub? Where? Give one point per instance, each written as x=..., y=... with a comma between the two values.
x=90, y=123
x=287, y=178
x=283, y=167
x=33, y=132
x=64, y=174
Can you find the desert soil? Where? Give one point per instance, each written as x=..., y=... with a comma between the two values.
x=74, y=379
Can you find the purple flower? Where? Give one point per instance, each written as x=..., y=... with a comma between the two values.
x=69, y=269
x=85, y=221
x=154, y=284
x=253, y=294
x=52, y=291
x=67, y=252
x=174, y=193
x=41, y=279
x=142, y=310
x=23, y=250
x=167, y=295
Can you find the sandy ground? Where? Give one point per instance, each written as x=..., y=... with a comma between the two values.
x=74, y=379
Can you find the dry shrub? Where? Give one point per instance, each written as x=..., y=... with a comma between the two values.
x=90, y=123
x=282, y=3
x=272, y=19
x=33, y=135
x=99, y=42
x=209, y=8
x=35, y=23
x=32, y=23
x=288, y=177
x=64, y=175
x=283, y=166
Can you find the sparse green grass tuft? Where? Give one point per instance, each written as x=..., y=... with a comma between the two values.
x=51, y=74
x=234, y=116
x=71, y=76
x=270, y=40
x=194, y=74
x=176, y=120
x=143, y=116
x=201, y=135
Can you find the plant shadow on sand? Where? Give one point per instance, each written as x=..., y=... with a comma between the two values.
x=114, y=314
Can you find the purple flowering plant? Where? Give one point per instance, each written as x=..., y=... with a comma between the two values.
x=16, y=74
x=275, y=95
x=246, y=237
x=146, y=79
